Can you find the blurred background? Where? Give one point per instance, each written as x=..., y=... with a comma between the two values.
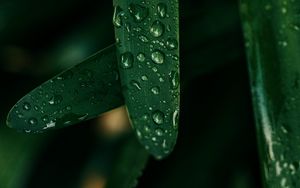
x=217, y=143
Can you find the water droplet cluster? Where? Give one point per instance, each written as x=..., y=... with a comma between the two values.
x=149, y=70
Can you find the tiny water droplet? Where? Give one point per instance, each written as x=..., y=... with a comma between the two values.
x=32, y=121
x=56, y=99
x=143, y=38
x=175, y=118
x=158, y=117
x=154, y=139
x=126, y=60
x=141, y=57
x=158, y=57
x=174, y=79
x=118, y=17
x=155, y=90
x=159, y=132
x=69, y=108
x=135, y=84
x=171, y=44
x=161, y=10
x=144, y=78
x=157, y=28
x=83, y=117
x=138, y=12
x=26, y=106
x=45, y=118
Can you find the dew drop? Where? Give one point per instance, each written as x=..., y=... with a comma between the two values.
x=144, y=78
x=155, y=90
x=158, y=117
x=45, y=118
x=174, y=79
x=157, y=28
x=158, y=57
x=138, y=12
x=161, y=10
x=175, y=118
x=32, y=121
x=141, y=57
x=118, y=16
x=26, y=106
x=159, y=132
x=171, y=44
x=83, y=117
x=135, y=84
x=126, y=60
x=56, y=99
x=143, y=38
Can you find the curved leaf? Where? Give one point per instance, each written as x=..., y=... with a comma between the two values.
x=80, y=93
x=148, y=55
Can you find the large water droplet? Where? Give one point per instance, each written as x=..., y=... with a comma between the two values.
x=32, y=121
x=138, y=12
x=158, y=57
x=26, y=106
x=158, y=117
x=174, y=79
x=118, y=17
x=141, y=57
x=126, y=60
x=56, y=99
x=171, y=44
x=155, y=90
x=157, y=28
x=161, y=10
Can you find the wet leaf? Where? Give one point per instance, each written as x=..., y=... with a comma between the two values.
x=79, y=93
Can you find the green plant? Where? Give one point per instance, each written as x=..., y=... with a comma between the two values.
x=148, y=51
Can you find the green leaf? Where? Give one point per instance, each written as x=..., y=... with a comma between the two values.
x=147, y=36
x=273, y=43
x=80, y=93
x=130, y=162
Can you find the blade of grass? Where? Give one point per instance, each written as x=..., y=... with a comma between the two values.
x=272, y=39
x=80, y=93
x=147, y=35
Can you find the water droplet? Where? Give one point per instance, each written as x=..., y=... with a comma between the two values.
x=171, y=44
x=126, y=60
x=157, y=28
x=138, y=12
x=83, y=117
x=158, y=117
x=69, y=108
x=154, y=139
x=147, y=129
x=174, y=79
x=118, y=17
x=145, y=117
x=20, y=115
x=26, y=106
x=155, y=90
x=32, y=121
x=135, y=84
x=159, y=132
x=144, y=78
x=45, y=118
x=56, y=99
x=175, y=118
x=158, y=57
x=143, y=38
x=141, y=57
x=161, y=10
x=138, y=133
